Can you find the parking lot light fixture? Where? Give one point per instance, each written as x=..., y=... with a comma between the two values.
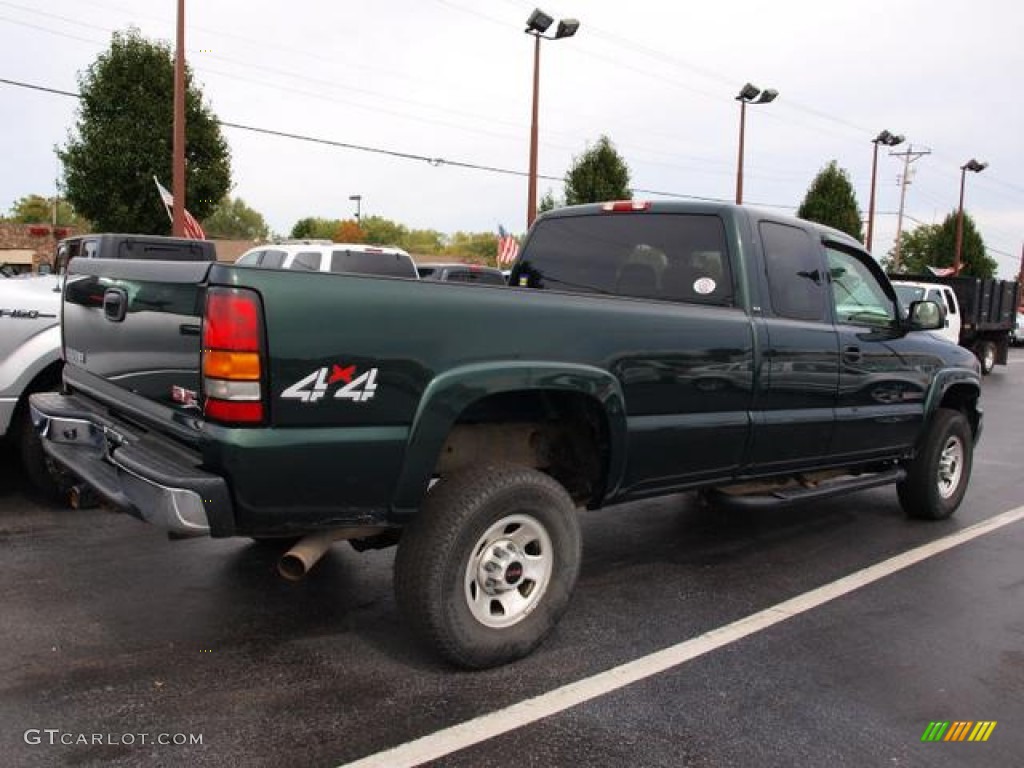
x=889, y=140
x=974, y=166
x=749, y=94
x=539, y=23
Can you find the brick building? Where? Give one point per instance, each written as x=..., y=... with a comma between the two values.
x=24, y=247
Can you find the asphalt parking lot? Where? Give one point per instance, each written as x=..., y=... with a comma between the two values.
x=114, y=640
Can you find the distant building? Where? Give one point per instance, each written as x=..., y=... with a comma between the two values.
x=24, y=247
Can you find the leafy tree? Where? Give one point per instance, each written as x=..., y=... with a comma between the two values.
x=125, y=137
x=481, y=247
x=831, y=201
x=234, y=219
x=548, y=202
x=349, y=231
x=36, y=209
x=424, y=241
x=381, y=231
x=934, y=245
x=599, y=174
x=314, y=228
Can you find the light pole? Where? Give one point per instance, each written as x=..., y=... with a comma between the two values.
x=537, y=25
x=889, y=140
x=976, y=167
x=358, y=200
x=750, y=94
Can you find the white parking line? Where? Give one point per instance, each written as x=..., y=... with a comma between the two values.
x=466, y=734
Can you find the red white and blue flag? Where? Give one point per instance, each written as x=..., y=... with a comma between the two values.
x=193, y=228
x=508, y=247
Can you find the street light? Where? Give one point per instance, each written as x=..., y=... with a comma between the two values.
x=750, y=94
x=537, y=25
x=359, y=200
x=976, y=167
x=889, y=140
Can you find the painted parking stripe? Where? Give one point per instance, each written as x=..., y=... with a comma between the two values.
x=466, y=734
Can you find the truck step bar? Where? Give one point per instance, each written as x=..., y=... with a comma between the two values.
x=800, y=494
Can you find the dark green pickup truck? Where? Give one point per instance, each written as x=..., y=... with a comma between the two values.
x=640, y=350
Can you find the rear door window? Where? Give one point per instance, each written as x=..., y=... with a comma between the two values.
x=796, y=279
x=306, y=260
x=272, y=259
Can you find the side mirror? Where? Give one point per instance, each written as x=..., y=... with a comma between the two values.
x=926, y=316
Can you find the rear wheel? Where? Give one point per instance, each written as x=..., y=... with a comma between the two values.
x=49, y=480
x=937, y=479
x=487, y=567
x=986, y=353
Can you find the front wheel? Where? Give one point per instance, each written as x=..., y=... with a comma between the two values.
x=486, y=568
x=937, y=479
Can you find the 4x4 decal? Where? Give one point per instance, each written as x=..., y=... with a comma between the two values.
x=312, y=388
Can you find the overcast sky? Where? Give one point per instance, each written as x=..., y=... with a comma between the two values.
x=451, y=80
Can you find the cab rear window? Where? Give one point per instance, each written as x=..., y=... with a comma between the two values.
x=664, y=256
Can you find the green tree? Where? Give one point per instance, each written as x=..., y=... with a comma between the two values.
x=424, y=241
x=381, y=231
x=934, y=245
x=36, y=209
x=599, y=174
x=124, y=136
x=831, y=201
x=548, y=203
x=234, y=219
x=314, y=228
x=481, y=247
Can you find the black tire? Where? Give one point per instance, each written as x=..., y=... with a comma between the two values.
x=49, y=481
x=486, y=568
x=937, y=478
x=986, y=354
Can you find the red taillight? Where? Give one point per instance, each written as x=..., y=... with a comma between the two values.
x=232, y=320
x=626, y=205
x=232, y=357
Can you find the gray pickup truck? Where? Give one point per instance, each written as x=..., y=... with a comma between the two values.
x=30, y=354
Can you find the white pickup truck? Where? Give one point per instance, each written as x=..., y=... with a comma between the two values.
x=30, y=340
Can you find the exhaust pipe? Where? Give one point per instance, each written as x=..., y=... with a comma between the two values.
x=82, y=497
x=300, y=559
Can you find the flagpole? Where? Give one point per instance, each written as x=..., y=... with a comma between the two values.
x=178, y=158
x=159, y=193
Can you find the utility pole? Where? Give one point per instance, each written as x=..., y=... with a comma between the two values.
x=178, y=148
x=909, y=156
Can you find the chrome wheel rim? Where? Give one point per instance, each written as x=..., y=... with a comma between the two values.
x=951, y=467
x=508, y=571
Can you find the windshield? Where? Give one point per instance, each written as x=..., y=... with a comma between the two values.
x=908, y=293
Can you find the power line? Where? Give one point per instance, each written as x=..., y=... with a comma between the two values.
x=434, y=161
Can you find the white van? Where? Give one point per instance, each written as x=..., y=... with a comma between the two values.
x=321, y=256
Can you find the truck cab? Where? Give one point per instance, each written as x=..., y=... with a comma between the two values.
x=943, y=295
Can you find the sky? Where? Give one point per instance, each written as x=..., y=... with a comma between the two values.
x=450, y=82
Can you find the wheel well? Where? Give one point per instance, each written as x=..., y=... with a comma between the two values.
x=564, y=434
x=963, y=398
x=46, y=379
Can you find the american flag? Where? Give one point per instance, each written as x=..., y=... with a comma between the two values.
x=508, y=247
x=193, y=228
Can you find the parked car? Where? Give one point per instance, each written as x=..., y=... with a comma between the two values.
x=321, y=256
x=642, y=349
x=461, y=273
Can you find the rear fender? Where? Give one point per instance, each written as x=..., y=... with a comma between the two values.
x=451, y=393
